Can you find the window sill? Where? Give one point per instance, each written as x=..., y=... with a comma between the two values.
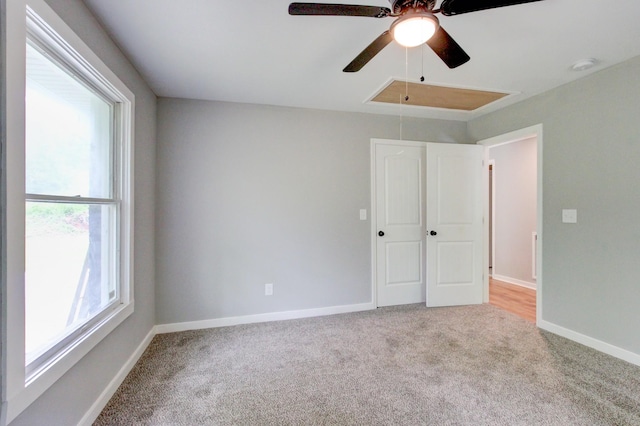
x=43, y=379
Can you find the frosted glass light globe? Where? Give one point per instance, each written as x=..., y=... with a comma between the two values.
x=413, y=29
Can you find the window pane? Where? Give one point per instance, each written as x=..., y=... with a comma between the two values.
x=68, y=133
x=69, y=269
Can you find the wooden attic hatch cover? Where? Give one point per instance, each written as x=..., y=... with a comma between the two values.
x=427, y=95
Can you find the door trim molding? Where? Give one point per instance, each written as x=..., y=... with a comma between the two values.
x=527, y=132
x=374, y=216
x=492, y=219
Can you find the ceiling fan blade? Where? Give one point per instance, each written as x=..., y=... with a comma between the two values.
x=369, y=52
x=447, y=49
x=338, y=10
x=456, y=7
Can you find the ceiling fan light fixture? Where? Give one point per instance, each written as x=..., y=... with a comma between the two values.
x=414, y=28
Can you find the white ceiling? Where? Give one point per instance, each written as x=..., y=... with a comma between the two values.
x=252, y=51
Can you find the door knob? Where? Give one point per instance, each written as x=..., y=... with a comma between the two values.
x=433, y=233
x=381, y=233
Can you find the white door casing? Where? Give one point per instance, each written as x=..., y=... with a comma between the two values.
x=400, y=216
x=454, y=224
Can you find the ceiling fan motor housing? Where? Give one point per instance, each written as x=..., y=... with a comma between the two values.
x=401, y=6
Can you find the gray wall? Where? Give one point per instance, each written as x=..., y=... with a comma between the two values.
x=515, y=180
x=591, y=152
x=249, y=195
x=71, y=397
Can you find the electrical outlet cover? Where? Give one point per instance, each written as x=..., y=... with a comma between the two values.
x=569, y=216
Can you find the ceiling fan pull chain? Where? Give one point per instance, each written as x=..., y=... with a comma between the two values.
x=422, y=74
x=406, y=74
x=401, y=116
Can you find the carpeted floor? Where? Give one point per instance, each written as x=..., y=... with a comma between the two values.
x=406, y=365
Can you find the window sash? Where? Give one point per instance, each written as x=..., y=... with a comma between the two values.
x=98, y=283
x=95, y=85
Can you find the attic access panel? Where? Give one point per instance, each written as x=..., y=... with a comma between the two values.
x=427, y=95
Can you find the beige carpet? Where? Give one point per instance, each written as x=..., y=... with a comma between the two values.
x=406, y=365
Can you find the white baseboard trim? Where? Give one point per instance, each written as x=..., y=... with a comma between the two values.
x=596, y=344
x=514, y=281
x=250, y=319
x=97, y=407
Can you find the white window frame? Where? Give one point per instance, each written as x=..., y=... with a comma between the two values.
x=37, y=18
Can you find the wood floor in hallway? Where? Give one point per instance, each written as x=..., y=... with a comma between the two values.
x=513, y=298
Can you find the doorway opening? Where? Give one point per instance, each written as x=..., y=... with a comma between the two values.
x=513, y=208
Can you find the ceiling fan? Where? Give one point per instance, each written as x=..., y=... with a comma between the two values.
x=415, y=24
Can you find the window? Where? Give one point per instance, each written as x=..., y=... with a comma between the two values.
x=72, y=205
x=69, y=202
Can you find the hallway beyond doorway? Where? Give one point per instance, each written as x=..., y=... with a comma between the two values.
x=513, y=298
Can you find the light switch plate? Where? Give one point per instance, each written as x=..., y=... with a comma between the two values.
x=569, y=216
x=363, y=214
